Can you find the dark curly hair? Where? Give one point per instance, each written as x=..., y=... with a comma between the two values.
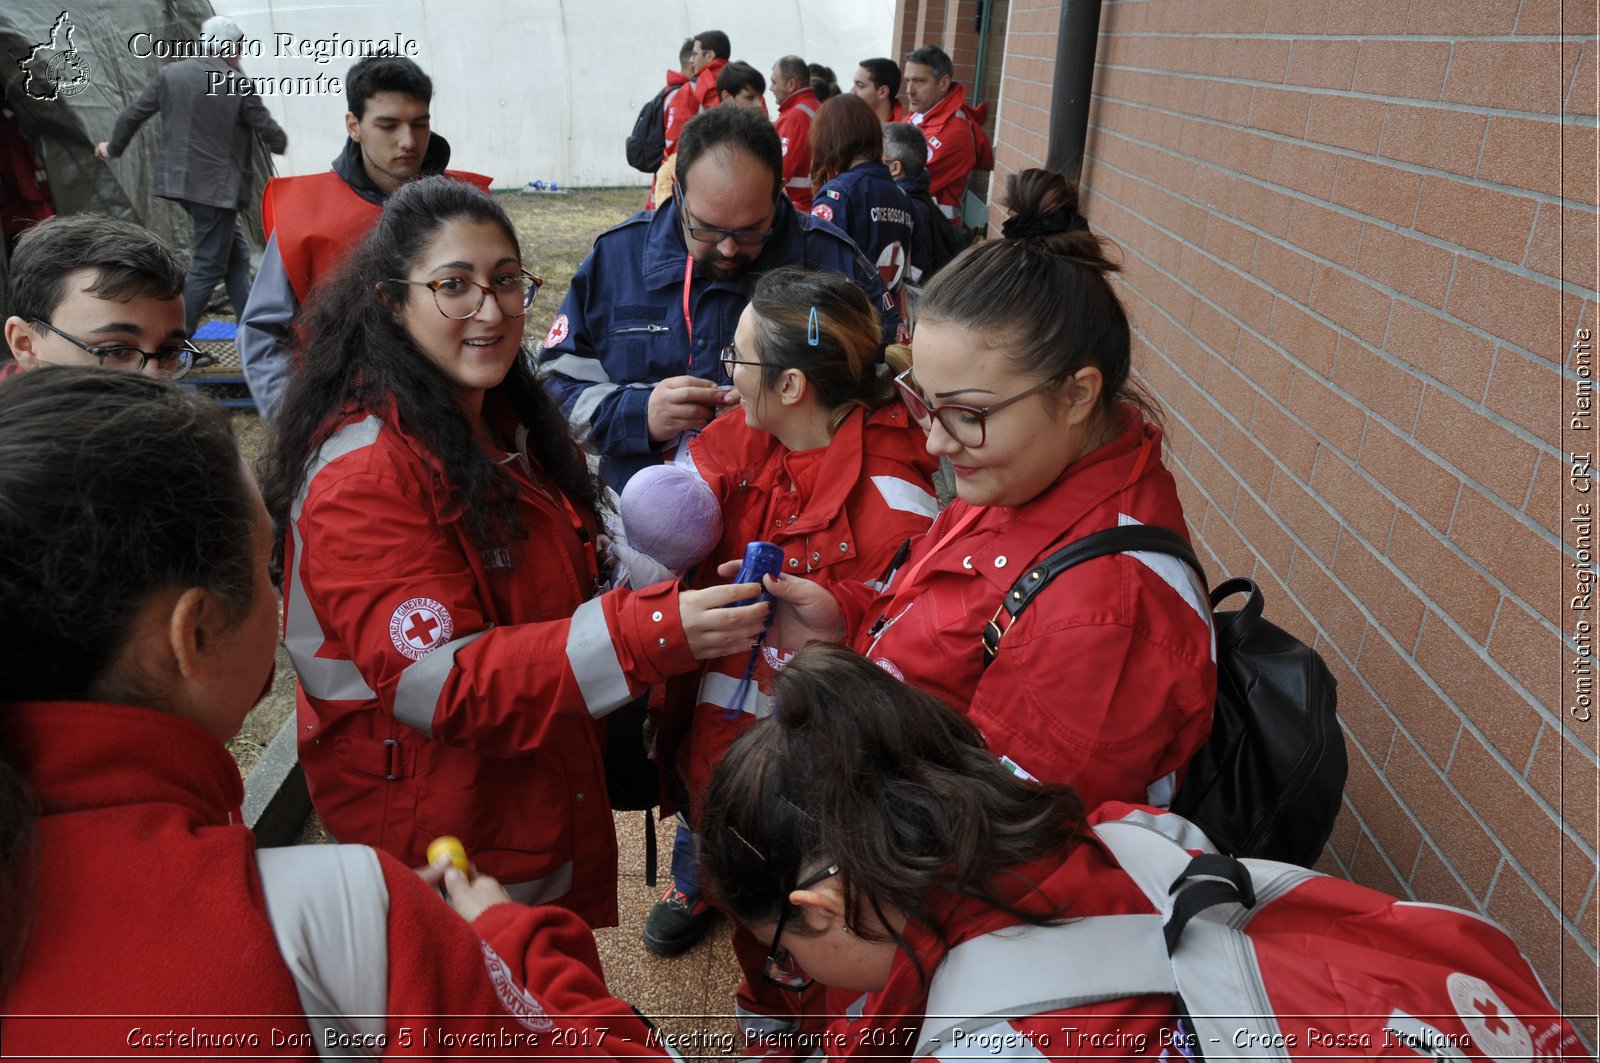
x=860, y=770
x=355, y=353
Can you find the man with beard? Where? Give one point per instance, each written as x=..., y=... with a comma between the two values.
x=634, y=355
x=313, y=221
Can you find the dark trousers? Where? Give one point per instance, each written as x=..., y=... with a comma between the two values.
x=220, y=254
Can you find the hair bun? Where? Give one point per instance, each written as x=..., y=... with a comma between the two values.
x=1060, y=220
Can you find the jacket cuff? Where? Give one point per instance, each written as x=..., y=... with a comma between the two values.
x=652, y=634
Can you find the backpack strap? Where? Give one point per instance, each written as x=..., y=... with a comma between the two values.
x=329, y=909
x=1127, y=538
x=1032, y=970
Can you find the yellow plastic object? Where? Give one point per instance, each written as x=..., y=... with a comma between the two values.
x=449, y=843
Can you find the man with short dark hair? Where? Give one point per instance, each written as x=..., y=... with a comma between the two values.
x=878, y=82
x=633, y=353
x=210, y=114
x=957, y=144
x=313, y=222
x=797, y=106
x=709, y=57
x=91, y=290
x=743, y=86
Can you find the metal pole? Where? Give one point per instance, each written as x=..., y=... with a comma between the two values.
x=1076, y=44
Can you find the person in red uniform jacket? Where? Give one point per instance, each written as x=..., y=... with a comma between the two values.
x=1021, y=356
x=455, y=662
x=877, y=82
x=139, y=912
x=957, y=911
x=797, y=106
x=710, y=55
x=957, y=144
x=862, y=831
x=313, y=220
x=823, y=463
x=677, y=81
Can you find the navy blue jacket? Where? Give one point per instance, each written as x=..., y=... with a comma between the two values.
x=865, y=202
x=925, y=214
x=621, y=328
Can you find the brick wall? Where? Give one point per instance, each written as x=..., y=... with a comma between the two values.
x=1360, y=250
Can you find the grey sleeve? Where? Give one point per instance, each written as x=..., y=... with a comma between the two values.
x=265, y=331
x=133, y=116
x=257, y=117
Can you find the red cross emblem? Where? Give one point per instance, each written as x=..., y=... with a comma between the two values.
x=418, y=626
x=558, y=331
x=1491, y=1016
x=891, y=264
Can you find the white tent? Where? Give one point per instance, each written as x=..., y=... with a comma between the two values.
x=530, y=89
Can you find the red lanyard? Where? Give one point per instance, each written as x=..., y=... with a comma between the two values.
x=904, y=588
x=688, y=322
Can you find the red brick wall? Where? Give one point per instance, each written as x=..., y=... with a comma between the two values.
x=1360, y=250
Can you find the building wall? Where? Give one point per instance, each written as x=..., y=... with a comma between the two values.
x=1359, y=241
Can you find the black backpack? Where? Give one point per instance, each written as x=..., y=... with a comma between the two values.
x=649, y=137
x=946, y=239
x=1268, y=781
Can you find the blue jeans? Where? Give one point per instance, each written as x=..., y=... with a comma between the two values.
x=220, y=254
x=685, y=874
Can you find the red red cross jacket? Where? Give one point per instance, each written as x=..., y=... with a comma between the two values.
x=695, y=97
x=1083, y=881
x=148, y=917
x=446, y=690
x=839, y=512
x=957, y=145
x=794, y=126
x=1108, y=679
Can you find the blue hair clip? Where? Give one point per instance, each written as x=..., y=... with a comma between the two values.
x=813, y=332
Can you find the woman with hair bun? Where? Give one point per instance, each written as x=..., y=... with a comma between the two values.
x=1108, y=679
x=821, y=461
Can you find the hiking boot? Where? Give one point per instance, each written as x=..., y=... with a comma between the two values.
x=676, y=922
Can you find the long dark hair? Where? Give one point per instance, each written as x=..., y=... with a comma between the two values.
x=843, y=365
x=113, y=486
x=860, y=770
x=1045, y=291
x=356, y=354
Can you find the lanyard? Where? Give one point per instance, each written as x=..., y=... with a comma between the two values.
x=688, y=322
x=905, y=588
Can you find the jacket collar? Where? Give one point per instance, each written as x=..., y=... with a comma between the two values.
x=807, y=96
x=911, y=184
x=676, y=78
x=347, y=164
x=949, y=105
x=82, y=755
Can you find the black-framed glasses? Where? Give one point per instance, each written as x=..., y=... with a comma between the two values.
x=707, y=234
x=458, y=298
x=781, y=969
x=172, y=361
x=730, y=358
x=967, y=425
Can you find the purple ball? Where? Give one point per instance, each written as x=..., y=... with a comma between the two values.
x=670, y=514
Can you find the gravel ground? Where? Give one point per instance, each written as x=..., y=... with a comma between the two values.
x=688, y=996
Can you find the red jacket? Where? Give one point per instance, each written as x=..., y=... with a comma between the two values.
x=794, y=126
x=1108, y=679
x=328, y=219
x=957, y=145
x=685, y=105
x=148, y=909
x=1083, y=881
x=448, y=690
x=840, y=512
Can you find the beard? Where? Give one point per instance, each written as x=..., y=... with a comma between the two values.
x=714, y=265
